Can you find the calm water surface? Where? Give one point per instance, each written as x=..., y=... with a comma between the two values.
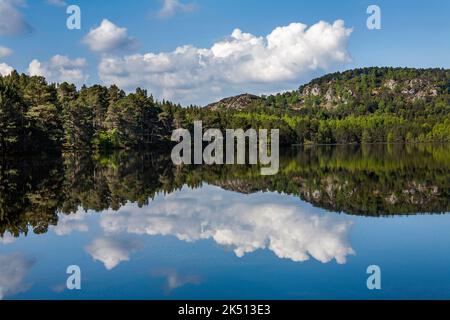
x=140, y=228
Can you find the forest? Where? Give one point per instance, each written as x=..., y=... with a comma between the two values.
x=369, y=105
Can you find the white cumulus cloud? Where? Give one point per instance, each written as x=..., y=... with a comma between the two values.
x=5, y=69
x=242, y=62
x=59, y=69
x=12, y=22
x=112, y=251
x=109, y=37
x=5, y=52
x=171, y=7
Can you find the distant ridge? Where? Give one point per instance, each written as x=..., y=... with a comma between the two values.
x=353, y=88
x=238, y=102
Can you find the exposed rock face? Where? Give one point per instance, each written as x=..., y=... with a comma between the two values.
x=331, y=94
x=325, y=96
x=390, y=84
x=239, y=102
x=237, y=185
x=313, y=90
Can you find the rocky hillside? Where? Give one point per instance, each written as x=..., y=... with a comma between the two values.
x=239, y=102
x=373, y=88
x=362, y=86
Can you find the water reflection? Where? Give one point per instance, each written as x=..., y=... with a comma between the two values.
x=112, y=250
x=175, y=280
x=114, y=204
x=242, y=223
x=13, y=270
x=373, y=180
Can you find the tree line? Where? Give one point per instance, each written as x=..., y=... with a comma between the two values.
x=35, y=115
x=368, y=105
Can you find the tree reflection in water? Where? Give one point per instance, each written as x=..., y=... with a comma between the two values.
x=372, y=180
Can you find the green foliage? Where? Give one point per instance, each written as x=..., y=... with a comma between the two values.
x=440, y=132
x=107, y=140
x=78, y=125
x=11, y=117
x=37, y=116
x=370, y=105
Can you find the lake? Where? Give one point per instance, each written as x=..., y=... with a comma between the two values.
x=140, y=228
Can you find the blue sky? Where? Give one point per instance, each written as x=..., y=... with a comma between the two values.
x=413, y=34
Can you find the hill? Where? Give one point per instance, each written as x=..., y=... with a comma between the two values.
x=367, y=105
x=375, y=88
x=239, y=102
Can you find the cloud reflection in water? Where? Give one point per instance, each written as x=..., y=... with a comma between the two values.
x=246, y=223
